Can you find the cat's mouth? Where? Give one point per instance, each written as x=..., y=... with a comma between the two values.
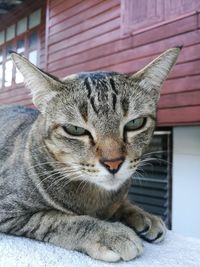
x=96, y=173
x=112, y=181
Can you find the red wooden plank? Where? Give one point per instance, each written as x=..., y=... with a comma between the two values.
x=25, y=102
x=68, y=3
x=137, y=40
x=67, y=19
x=95, y=66
x=87, y=35
x=85, y=25
x=76, y=55
x=87, y=45
x=187, y=54
x=185, y=69
x=133, y=59
x=180, y=100
x=15, y=99
x=19, y=101
x=169, y=29
x=74, y=15
x=187, y=83
x=12, y=91
x=63, y=5
x=14, y=94
x=174, y=116
x=132, y=64
x=112, y=53
x=192, y=53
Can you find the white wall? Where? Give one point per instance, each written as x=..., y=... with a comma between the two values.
x=186, y=181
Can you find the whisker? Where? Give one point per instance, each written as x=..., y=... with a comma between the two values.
x=157, y=159
x=54, y=163
x=155, y=152
x=44, y=163
x=55, y=173
x=61, y=178
x=50, y=176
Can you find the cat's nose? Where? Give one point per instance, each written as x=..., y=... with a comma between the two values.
x=112, y=165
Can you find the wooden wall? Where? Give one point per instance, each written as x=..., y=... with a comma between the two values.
x=88, y=35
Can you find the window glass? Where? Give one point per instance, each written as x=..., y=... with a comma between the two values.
x=1, y=55
x=33, y=57
x=26, y=43
x=20, y=49
x=35, y=18
x=10, y=32
x=8, y=67
x=18, y=77
x=1, y=69
x=21, y=25
x=33, y=40
x=8, y=72
x=9, y=48
x=2, y=37
x=20, y=46
x=1, y=75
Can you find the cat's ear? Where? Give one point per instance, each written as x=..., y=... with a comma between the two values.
x=152, y=76
x=43, y=87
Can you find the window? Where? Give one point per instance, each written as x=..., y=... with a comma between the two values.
x=138, y=15
x=2, y=37
x=22, y=26
x=8, y=67
x=35, y=19
x=20, y=49
x=22, y=37
x=10, y=33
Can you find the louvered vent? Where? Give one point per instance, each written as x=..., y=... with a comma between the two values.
x=151, y=186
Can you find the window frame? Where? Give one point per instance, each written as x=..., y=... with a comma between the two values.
x=13, y=42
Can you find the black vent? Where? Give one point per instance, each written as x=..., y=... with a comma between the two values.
x=151, y=187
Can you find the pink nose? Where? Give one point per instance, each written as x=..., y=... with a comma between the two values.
x=112, y=165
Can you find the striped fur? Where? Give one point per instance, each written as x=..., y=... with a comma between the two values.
x=53, y=186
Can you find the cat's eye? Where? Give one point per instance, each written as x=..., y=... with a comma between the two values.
x=75, y=130
x=135, y=124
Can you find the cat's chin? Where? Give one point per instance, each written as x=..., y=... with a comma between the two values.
x=111, y=184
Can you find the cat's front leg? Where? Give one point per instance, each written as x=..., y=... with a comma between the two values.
x=100, y=239
x=150, y=227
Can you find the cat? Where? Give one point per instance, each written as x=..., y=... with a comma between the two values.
x=65, y=167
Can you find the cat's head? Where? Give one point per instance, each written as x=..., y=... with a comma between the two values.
x=99, y=123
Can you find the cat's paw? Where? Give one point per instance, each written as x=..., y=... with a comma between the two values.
x=149, y=227
x=115, y=243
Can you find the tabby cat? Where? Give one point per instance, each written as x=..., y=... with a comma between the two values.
x=65, y=168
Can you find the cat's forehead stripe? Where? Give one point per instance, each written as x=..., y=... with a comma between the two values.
x=98, y=86
x=96, y=75
x=93, y=105
x=114, y=101
x=88, y=86
x=83, y=109
x=113, y=86
x=125, y=105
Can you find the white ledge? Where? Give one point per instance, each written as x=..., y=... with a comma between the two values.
x=21, y=252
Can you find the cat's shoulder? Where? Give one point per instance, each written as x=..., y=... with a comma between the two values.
x=15, y=110
x=18, y=113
